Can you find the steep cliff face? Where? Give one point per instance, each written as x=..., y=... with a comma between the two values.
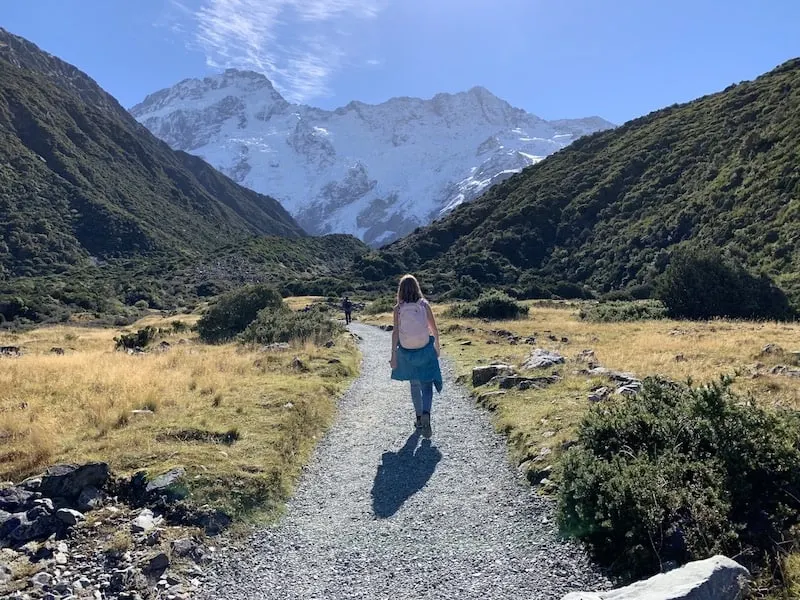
x=376, y=171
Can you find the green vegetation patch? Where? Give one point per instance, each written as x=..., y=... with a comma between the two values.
x=490, y=305
x=680, y=473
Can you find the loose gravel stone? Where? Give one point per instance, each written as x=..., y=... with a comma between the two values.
x=382, y=513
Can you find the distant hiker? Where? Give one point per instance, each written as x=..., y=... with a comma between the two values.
x=415, y=349
x=347, y=307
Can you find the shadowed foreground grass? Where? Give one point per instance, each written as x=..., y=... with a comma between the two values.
x=241, y=421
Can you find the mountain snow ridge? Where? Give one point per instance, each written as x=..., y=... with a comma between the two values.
x=375, y=171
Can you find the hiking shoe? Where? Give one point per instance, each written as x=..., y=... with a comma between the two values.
x=418, y=422
x=426, y=425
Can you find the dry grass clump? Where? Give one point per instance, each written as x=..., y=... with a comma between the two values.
x=680, y=350
x=251, y=417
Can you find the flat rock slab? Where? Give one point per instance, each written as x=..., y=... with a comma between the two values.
x=715, y=578
x=382, y=513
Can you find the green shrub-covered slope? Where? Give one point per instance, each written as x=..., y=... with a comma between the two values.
x=80, y=178
x=722, y=171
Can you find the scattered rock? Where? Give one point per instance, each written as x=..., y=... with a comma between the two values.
x=715, y=578
x=466, y=343
x=330, y=344
x=507, y=382
x=5, y=574
x=586, y=356
x=8, y=522
x=57, y=351
x=541, y=359
x=42, y=579
x=482, y=375
x=90, y=498
x=16, y=499
x=142, y=412
x=156, y=562
x=68, y=481
x=37, y=523
x=167, y=485
x=629, y=389
x=771, y=349
x=275, y=346
x=69, y=517
x=144, y=522
x=299, y=365
x=785, y=371
x=387, y=327
x=680, y=358
x=183, y=547
x=599, y=394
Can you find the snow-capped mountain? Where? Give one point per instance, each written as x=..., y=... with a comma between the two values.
x=376, y=171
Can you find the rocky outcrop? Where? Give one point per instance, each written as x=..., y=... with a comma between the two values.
x=543, y=359
x=715, y=578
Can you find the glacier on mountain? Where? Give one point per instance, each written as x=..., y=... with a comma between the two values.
x=375, y=171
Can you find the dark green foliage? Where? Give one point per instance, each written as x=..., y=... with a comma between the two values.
x=492, y=305
x=140, y=339
x=383, y=304
x=615, y=311
x=680, y=473
x=234, y=311
x=606, y=211
x=283, y=325
x=701, y=284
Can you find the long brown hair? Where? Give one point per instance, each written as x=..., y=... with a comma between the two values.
x=408, y=290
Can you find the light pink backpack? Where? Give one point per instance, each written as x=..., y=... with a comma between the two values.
x=412, y=319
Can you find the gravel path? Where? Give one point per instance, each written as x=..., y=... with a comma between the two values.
x=383, y=513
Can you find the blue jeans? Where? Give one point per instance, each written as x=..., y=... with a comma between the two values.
x=422, y=396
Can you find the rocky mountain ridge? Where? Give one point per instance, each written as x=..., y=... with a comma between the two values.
x=375, y=171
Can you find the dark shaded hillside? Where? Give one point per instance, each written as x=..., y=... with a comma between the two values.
x=80, y=178
x=117, y=290
x=721, y=171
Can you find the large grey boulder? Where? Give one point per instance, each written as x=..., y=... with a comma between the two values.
x=542, y=359
x=715, y=578
x=482, y=375
x=16, y=499
x=68, y=481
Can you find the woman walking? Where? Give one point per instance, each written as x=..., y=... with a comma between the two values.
x=415, y=349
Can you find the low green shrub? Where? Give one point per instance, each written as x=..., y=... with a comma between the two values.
x=234, y=311
x=702, y=284
x=681, y=473
x=383, y=304
x=490, y=305
x=282, y=325
x=140, y=339
x=615, y=311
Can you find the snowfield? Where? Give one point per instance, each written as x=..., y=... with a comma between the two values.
x=375, y=171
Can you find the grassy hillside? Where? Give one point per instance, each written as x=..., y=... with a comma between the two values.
x=81, y=178
x=606, y=212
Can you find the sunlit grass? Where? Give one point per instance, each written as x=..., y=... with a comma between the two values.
x=80, y=406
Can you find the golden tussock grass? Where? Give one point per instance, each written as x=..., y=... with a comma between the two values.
x=241, y=421
x=680, y=350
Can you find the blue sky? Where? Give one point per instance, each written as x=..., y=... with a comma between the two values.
x=556, y=58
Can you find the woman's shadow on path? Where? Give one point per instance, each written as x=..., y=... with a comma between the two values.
x=401, y=474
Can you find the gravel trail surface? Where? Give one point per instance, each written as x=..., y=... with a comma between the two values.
x=382, y=513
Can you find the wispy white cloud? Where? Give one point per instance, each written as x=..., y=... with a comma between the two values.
x=298, y=44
